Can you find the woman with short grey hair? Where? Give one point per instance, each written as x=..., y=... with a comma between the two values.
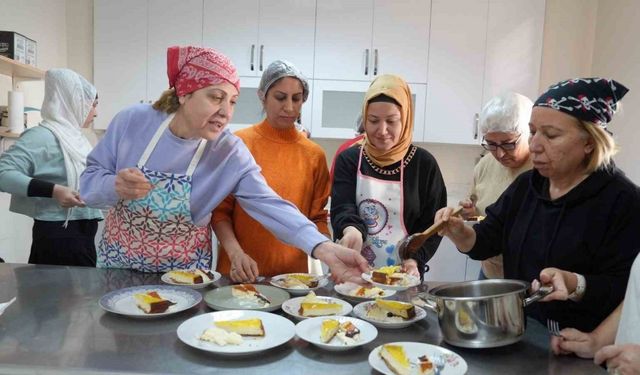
x=504, y=124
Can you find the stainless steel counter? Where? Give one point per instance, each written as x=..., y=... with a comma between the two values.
x=57, y=327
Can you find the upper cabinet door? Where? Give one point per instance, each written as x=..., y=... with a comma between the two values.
x=119, y=55
x=343, y=39
x=231, y=27
x=456, y=67
x=290, y=40
x=171, y=23
x=514, y=47
x=401, y=38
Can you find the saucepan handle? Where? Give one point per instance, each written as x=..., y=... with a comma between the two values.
x=427, y=301
x=538, y=295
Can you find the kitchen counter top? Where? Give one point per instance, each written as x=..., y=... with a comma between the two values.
x=57, y=327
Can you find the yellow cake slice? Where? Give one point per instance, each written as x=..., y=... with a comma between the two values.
x=328, y=329
x=151, y=302
x=309, y=281
x=396, y=359
x=245, y=327
x=185, y=277
x=319, y=309
x=397, y=308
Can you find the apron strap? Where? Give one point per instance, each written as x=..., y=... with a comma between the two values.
x=154, y=141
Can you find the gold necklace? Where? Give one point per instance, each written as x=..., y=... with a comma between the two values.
x=390, y=172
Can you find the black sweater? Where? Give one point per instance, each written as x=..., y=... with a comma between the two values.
x=593, y=230
x=424, y=194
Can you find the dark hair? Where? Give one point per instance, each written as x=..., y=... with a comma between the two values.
x=382, y=98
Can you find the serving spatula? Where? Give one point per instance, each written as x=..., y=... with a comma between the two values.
x=411, y=243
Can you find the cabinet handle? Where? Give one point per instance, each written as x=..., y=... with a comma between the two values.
x=476, y=125
x=375, y=62
x=261, y=55
x=253, y=49
x=366, y=61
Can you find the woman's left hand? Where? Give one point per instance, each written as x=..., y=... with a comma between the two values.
x=345, y=264
x=410, y=266
x=559, y=279
x=621, y=359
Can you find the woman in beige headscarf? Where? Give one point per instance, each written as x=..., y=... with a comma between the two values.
x=388, y=187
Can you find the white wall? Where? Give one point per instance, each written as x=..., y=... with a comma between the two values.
x=617, y=55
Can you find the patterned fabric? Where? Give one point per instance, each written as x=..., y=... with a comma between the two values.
x=588, y=99
x=192, y=68
x=155, y=233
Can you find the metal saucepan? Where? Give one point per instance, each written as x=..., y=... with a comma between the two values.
x=482, y=313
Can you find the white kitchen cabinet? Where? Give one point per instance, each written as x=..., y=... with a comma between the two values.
x=456, y=68
x=131, y=38
x=119, y=55
x=254, y=33
x=479, y=48
x=449, y=264
x=248, y=110
x=360, y=39
x=337, y=105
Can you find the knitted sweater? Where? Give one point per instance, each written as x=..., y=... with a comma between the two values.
x=296, y=169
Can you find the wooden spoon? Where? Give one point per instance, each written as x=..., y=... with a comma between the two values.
x=411, y=243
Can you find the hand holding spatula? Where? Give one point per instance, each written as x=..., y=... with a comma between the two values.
x=411, y=243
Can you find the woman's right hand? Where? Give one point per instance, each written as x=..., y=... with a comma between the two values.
x=243, y=268
x=453, y=224
x=351, y=238
x=572, y=341
x=132, y=184
x=67, y=197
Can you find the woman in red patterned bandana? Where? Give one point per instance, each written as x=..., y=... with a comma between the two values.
x=573, y=220
x=162, y=169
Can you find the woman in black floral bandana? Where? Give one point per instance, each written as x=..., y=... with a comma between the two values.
x=573, y=220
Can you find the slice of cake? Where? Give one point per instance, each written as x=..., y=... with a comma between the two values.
x=249, y=292
x=312, y=305
x=364, y=292
x=348, y=333
x=396, y=308
x=300, y=281
x=382, y=275
x=152, y=303
x=190, y=277
x=396, y=359
x=220, y=336
x=425, y=366
x=328, y=329
x=244, y=327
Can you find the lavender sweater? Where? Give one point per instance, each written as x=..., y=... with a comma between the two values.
x=226, y=167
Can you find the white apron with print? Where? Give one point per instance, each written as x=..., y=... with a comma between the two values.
x=156, y=233
x=380, y=205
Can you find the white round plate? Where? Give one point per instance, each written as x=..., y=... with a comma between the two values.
x=413, y=281
x=277, y=282
x=360, y=310
x=167, y=280
x=122, y=302
x=278, y=330
x=309, y=331
x=346, y=290
x=222, y=299
x=292, y=306
x=454, y=363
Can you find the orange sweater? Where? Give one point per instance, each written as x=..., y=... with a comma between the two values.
x=296, y=169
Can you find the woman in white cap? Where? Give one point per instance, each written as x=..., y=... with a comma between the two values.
x=42, y=170
x=293, y=166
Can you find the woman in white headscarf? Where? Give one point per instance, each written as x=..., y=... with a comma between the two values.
x=42, y=172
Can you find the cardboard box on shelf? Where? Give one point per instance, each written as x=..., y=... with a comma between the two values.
x=18, y=47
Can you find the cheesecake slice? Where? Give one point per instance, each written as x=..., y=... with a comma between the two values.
x=425, y=366
x=190, y=277
x=328, y=329
x=396, y=359
x=249, y=292
x=152, y=303
x=319, y=309
x=245, y=327
x=396, y=308
x=383, y=275
x=365, y=292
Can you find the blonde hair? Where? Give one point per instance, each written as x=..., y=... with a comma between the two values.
x=604, y=146
x=168, y=102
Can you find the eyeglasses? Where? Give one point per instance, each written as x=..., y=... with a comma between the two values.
x=504, y=146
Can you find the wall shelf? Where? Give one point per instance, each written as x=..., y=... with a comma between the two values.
x=19, y=70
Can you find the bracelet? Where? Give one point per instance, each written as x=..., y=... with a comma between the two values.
x=581, y=287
